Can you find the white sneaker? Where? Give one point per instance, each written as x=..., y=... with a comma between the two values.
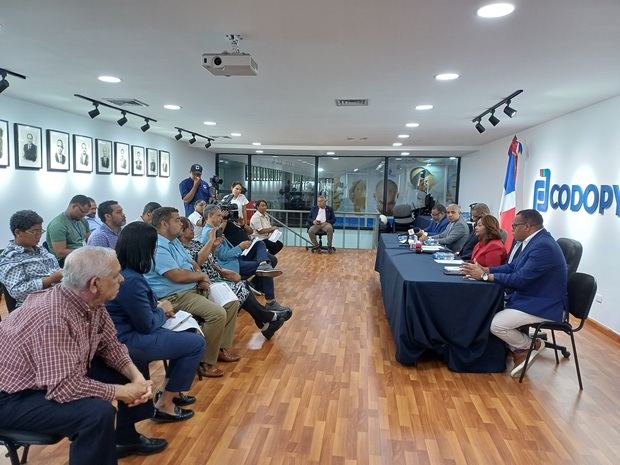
x=518, y=368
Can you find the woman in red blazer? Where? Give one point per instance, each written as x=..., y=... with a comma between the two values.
x=490, y=250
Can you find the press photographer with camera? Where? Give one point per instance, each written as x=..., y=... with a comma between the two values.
x=194, y=188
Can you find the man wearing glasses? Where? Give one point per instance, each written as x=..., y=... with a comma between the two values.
x=537, y=278
x=25, y=266
x=69, y=230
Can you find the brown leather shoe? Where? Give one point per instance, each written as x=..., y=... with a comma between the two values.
x=208, y=371
x=227, y=356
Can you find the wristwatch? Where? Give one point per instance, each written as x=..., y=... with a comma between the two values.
x=485, y=276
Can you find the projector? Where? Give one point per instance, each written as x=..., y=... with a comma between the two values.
x=229, y=64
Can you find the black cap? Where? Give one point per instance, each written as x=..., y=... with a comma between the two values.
x=195, y=168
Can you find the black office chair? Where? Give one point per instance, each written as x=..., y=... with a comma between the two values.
x=572, y=251
x=403, y=219
x=14, y=439
x=322, y=248
x=11, y=303
x=581, y=291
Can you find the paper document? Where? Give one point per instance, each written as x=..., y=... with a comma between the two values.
x=452, y=269
x=431, y=248
x=449, y=262
x=247, y=251
x=275, y=236
x=221, y=294
x=182, y=321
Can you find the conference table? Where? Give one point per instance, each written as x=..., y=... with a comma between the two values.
x=429, y=311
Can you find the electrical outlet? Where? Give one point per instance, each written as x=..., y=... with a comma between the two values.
x=599, y=298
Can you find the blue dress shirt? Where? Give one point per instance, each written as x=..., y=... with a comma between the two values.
x=169, y=255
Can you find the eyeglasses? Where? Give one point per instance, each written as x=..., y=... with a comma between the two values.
x=36, y=232
x=514, y=225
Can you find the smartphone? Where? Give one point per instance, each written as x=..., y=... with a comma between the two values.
x=218, y=233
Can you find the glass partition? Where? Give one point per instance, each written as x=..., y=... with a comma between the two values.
x=232, y=168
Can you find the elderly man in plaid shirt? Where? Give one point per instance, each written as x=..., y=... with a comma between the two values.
x=61, y=365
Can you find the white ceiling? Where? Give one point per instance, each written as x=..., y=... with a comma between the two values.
x=562, y=53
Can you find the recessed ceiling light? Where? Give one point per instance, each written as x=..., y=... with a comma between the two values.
x=235, y=134
x=398, y=159
x=109, y=79
x=452, y=158
x=397, y=144
x=256, y=143
x=259, y=151
x=495, y=10
x=447, y=76
x=330, y=153
x=274, y=156
x=210, y=123
x=171, y=106
x=335, y=158
x=355, y=170
x=424, y=107
x=404, y=153
x=412, y=125
x=321, y=170
x=403, y=136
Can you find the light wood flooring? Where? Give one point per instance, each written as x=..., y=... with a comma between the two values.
x=327, y=390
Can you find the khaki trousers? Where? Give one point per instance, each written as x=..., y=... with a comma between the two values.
x=218, y=322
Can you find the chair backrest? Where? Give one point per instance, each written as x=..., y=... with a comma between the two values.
x=402, y=214
x=581, y=292
x=11, y=303
x=572, y=251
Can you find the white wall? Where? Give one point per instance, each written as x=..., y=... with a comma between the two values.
x=49, y=192
x=580, y=148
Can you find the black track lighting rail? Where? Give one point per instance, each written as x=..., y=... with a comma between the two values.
x=122, y=110
x=194, y=134
x=6, y=72
x=491, y=110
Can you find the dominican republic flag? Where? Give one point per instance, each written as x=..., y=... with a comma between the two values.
x=508, y=203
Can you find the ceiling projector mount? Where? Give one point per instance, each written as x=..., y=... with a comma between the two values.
x=232, y=63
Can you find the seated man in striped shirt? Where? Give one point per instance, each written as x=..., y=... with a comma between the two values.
x=25, y=266
x=61, y=365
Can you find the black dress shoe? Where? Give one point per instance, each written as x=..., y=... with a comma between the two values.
x=180, y=414
x=272, y=328
x=182, y=400
x=144, y=446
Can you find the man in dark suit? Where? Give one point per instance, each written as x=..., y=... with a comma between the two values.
x=30, y=150
x=84, y=157
x=537, y=276
x=321, y=218
x=477, y=211
x=59, y=156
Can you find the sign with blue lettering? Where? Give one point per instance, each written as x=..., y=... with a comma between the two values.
x=590, y=198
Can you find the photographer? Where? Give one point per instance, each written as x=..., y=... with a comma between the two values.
x=193, y=189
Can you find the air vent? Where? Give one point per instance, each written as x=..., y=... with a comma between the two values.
x=351, y=102
x=357, y=138
x=126, y=102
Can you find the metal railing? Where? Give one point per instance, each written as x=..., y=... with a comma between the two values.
x=353, y=230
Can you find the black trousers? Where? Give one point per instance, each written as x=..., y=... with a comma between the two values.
x=273, y=247
x=87, y=422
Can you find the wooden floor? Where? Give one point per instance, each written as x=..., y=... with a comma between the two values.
x=327, y=390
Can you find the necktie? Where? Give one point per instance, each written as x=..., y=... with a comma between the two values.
x=516, y=252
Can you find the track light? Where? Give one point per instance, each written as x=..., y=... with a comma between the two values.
x=146, y=126
x=208, y=144
x=4, y=84
x=193, y=139
x=494, y=120
x=95, y=111
x=179, y=136
x=510, y=112
x=123, y=120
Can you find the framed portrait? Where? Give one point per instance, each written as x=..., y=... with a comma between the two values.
x=82, y=154
x=103, y=151
x=4, y=144
x=121, y=158
x=58, y=153
x=164, y=164
x=137, y=161
x=152, y=165
x=28, y=147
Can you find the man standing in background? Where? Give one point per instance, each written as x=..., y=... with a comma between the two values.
x=193, y=189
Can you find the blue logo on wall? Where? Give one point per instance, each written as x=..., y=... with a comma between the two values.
x=590, y=198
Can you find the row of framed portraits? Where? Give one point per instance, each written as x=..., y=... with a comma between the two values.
x=104, y=156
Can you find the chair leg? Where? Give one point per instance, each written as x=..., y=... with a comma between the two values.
x=529, y=353
x=25, y=454
x=572, y=339
x=555, y=348
x=11, y=453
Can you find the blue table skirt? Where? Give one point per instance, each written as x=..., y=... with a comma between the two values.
x=428, y=310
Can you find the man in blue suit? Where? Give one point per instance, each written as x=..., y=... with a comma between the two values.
x=537, y=278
